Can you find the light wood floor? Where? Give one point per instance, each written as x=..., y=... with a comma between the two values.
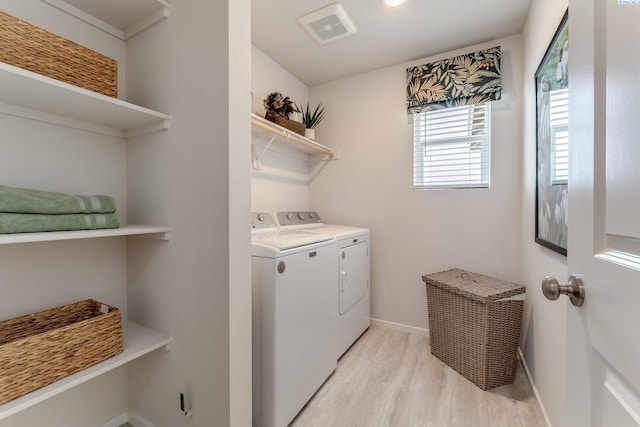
x=389, y=378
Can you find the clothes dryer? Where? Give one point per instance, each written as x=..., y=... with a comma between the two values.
x=352, y=297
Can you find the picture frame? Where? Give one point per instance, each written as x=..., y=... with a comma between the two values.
x=552, y=142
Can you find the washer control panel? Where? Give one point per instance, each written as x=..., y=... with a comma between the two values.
x=298, y=218
x=262, y=220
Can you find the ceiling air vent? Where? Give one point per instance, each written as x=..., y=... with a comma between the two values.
x=327, y=24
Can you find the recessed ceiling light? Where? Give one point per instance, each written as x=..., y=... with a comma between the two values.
x=393, y=3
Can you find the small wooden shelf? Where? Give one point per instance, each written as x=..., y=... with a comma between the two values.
x=289, y=137
x=31, y=95
x=152, y=231
x=138, y=341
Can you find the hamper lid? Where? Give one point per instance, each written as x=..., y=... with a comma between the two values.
x=473, y=285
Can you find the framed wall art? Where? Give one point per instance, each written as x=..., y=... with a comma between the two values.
x=552, y=136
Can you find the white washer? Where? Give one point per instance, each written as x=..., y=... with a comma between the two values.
x=293, y=272
x=353, y=299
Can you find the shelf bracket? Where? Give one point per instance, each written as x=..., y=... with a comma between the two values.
x=258, y=158
x=329, y=158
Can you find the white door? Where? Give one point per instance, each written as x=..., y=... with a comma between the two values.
x=603, y=335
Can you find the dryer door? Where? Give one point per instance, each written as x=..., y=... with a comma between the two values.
x=354, y=275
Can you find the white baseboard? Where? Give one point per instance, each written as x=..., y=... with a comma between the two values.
x=535, y=389
x=117, y=421
x=128, y=417
x=400, y=327
x=137, y=421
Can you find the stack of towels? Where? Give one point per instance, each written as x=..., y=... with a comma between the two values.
x=25, y=210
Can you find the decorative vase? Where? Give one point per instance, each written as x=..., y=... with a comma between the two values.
x=310, y=133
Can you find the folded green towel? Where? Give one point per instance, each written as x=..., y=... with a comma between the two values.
x=33, y=223
x=25, y=200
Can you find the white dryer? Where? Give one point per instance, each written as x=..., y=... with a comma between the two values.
x=352, y=289
x=293, y=273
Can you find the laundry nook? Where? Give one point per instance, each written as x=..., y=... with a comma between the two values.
x=275, y=213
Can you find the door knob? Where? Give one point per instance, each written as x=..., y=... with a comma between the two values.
x=574, y=289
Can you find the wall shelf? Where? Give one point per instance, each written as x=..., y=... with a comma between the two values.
x=285, y=136
x=31, y=95
x=138, y=341
x=151, y=231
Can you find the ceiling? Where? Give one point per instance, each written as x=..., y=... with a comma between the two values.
x=385, y=36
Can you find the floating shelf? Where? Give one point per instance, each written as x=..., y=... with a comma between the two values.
x=152, y=231
x=120, y=18
x=138, y=341
x=288, y=137
x=31, y=95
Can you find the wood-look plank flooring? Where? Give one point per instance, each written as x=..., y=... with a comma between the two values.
x=389, y=378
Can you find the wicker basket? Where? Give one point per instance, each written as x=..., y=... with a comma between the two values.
x=31, y=48
x=474, y=325
x=43, y=347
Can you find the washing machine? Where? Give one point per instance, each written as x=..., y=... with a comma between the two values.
x=294, y=323
x=352, y=298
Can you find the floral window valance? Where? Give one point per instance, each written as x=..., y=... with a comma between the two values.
x=466, y=79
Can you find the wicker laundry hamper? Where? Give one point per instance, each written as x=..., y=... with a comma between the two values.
x=474, y=323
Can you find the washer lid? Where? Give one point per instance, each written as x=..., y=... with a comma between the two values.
x=289, y=239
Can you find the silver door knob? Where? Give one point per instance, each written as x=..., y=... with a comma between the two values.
x=574, y=289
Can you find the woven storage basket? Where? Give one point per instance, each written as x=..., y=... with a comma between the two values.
x=474, y=325
x=43, y=347
x=31, y=48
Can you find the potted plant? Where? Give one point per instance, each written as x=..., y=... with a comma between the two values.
x=277, y=105
x=312, y=119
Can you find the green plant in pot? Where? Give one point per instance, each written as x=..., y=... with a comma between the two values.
x=312, y=119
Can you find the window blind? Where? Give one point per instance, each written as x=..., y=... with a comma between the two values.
x=452, y=147
x=559, y=121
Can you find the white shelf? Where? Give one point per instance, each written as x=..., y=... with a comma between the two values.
x=289, y=137
x=138, y=341
x=27, y=94
x=152, y=231
x=120, y=18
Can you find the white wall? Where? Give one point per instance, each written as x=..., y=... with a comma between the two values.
x=545, y=345
x=182, y=286
x=282, y=182
x=268, y=76
x=417, y=232
x=240, y=318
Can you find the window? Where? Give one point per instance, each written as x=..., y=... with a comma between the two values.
x=452, y=147
x=559, y=121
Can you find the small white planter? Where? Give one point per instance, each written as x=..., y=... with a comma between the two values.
x=310, y=133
